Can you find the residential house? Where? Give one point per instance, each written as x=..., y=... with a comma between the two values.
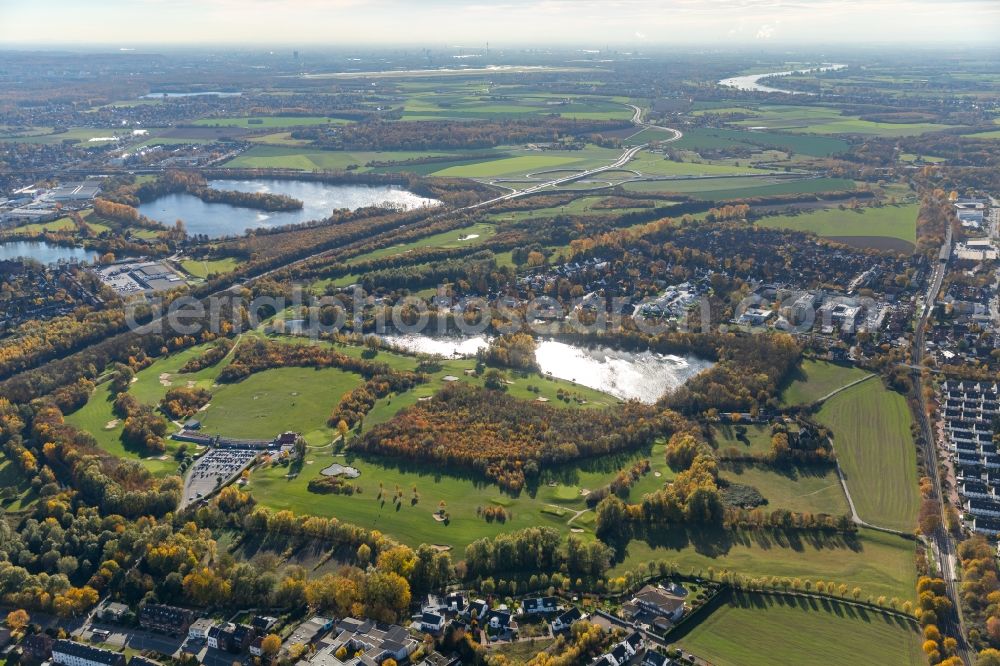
x=220, y=636
x=263, y=624
x=37, y=647
x=478, y=609
x=310, y=631
x=539, y=606
x=166, y=619
x=654, y=658
x=243, y=635
x=565, y=620
x=71, y=653
x=114, y=612
x=432, y=623
x=652, y=602
x=365, y=643
x=199, y=629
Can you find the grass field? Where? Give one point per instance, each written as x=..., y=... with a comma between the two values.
x=758, y=436
x=553, y=505
x=815, y=379
x=898, y=221
x=203, y=268
x=15, y=491
x=655, y=165
x=720, y=189
x=292, y=157
x=985, y=135
x=872, y=440
x=761, y=630
x=269, y=403
x=715, y=139
x=267, y=122
x=877, y=562
x=803, y=489
x=827, y=120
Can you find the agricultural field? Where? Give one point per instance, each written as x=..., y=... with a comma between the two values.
x=309, y=159
x=877, y=562
x=656, y=165
x=815, y=379
x=476, y=103
x=806, y=489
x=760, y=630
x=84, y=135
x=872, y=440
x=262, y=122
x=893, y=222
x=722, y=189
x=721, y=139
x=828, y=120
x=523, y=162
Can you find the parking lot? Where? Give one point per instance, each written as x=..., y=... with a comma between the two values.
x=213, y=469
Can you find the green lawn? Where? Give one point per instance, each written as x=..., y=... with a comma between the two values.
x=872, y=440
x=815, y=379
x=463, y=237
x=878, y=563
x=985, y=135
x=203, y=268
x=556, y=499
x=762, y=630
x=899, y=221
x=268, y=403
x=758, y=438
x=808, y=489
x=15, y=491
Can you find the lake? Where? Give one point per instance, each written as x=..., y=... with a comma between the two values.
x=318, y=199
x=751, y=82
x=643, y=376
x=43, y=252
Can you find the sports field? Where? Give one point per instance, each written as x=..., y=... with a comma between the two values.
x=899, y=221
x=878, y=563
x=872, y=440
x=814, y=379
x=762, y=630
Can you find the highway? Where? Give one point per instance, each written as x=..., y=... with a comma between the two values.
x=625, y=158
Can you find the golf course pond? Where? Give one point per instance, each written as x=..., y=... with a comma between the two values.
x=645, y=376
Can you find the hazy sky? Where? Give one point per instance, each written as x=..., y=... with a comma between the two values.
x=126, y=23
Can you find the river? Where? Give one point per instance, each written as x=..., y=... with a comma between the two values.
x=751, y=82
x=43, y=252
x=318, y=199
x=643, y=376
